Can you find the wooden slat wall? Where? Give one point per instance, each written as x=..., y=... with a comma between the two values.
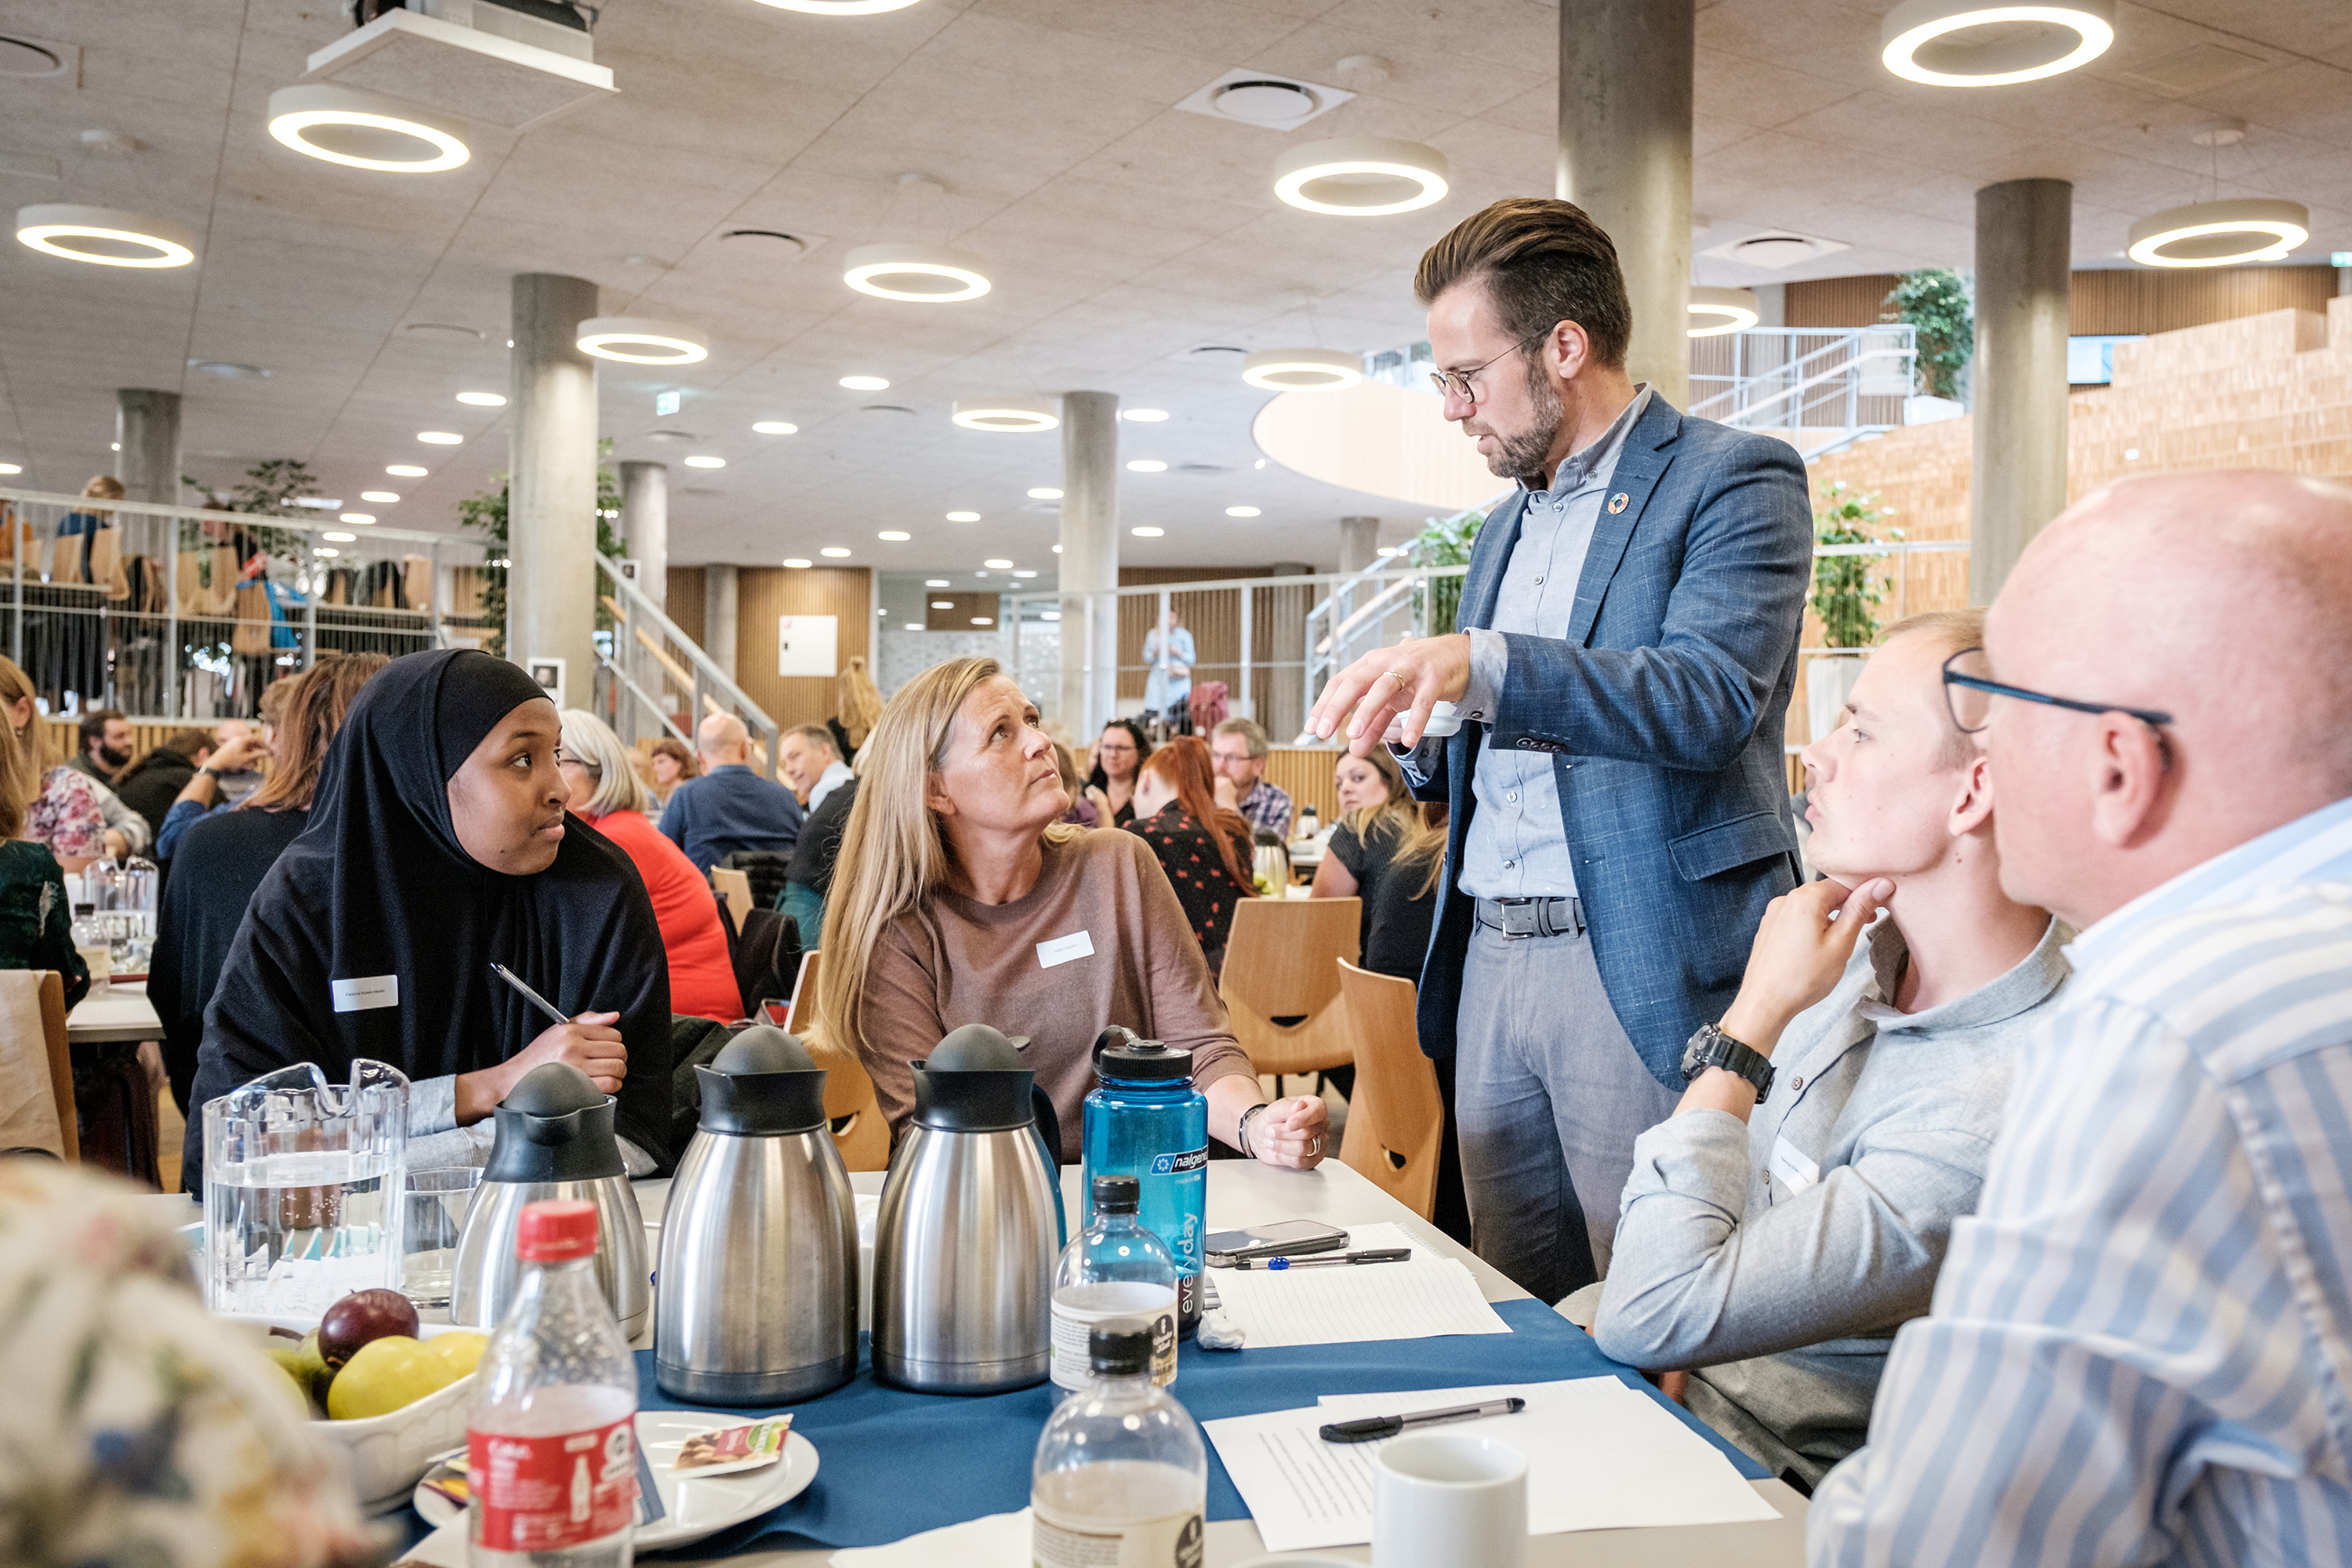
x=2109, y=302
x=65, y=736
x=763, y=593
x=684, y=602
x=1306, y=772
x=1837, y=301
x=1213, y=618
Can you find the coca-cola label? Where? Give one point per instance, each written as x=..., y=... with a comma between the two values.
x=543, y=1494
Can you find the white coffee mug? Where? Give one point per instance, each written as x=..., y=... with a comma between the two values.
x=1449, y=1498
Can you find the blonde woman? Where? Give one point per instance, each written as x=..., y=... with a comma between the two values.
x=955, y=868
x=858, y=706
x=62, y=807
x=1385, y=851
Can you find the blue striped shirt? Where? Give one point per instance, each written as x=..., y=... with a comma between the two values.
x=2138, y=1351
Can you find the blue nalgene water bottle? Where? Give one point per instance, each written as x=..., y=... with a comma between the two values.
x=1147, y=1120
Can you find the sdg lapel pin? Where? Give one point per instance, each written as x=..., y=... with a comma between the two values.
x=1617, y=503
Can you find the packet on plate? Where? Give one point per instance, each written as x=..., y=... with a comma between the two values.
x=732, y=1449
x=449, y=1479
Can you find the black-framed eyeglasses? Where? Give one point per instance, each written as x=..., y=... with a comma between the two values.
x=1970, y=689
x=1458, y=381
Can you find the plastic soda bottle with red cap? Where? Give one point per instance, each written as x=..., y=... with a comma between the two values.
x=552, y=1449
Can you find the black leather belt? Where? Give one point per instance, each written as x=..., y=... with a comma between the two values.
x=1533, y=917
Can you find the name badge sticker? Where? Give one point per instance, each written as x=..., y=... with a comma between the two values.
x=365, y=995
x=1791, y=1167
x=1062, y=948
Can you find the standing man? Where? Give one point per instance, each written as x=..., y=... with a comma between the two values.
x=1627, y=644
x=1238, y=749
x=728, y=808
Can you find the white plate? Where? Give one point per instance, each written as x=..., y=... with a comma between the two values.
x=692, y=1508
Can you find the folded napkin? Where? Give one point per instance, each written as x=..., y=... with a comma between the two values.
x=998, y=1541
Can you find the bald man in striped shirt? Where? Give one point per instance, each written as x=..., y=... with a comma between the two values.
x=2140, y=1345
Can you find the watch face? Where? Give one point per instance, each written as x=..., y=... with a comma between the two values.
x=1695, y=1056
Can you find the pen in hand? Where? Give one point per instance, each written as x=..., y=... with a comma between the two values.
x=533, y=997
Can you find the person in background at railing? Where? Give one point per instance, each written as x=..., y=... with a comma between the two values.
x=1205, y=848
x=1119, y=754
x=73, y=565
x=812, y=764
x=106, y=739
x=730, y=808
x=1239, y=747
x=151, y=783
x=1166, y=691
x=1621, y=668
x=62, y=809
x=35, y=919
x=1081, y=812
x=673, y=765
x=858, y=703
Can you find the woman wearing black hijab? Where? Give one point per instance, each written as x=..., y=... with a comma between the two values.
x=438, y=844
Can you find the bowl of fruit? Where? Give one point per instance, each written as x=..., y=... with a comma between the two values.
x=389, y=1389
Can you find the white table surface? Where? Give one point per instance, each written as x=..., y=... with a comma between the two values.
x=1245, y=1193
x=122, y=1013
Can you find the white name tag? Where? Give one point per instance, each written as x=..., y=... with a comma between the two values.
x=360, y=995
x=1790, y=1167
x=1062, y=948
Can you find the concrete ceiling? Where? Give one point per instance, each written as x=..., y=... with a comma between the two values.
x=1122, y=235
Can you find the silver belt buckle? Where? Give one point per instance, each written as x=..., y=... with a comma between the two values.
x=1522, y=916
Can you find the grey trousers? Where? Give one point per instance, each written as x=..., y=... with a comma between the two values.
x=1550, y=1096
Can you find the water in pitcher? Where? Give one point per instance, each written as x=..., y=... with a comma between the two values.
x=288, y=1236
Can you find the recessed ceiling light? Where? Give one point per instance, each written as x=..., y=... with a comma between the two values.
x=334, y=538
x=329, y=553
x=1716, y=312
x=440, y=437
x=937, y=583
x=834, y=551
x=839, y=7
x=895, y=535
x=983, y=620
x=915, y=627
x=1009, y=413
x=1057, y=549
x=2219, y=234
x=1302, y=370
x=404, y=470
x=963, y=517
x=1147, y=532
x=386, y=497
x=356, y=517
x=700, y=461
x=776, y=428
x=797, y=563
x=1049, y=615
x=1024, y=573
x=12, y=467
x=1044, y=493
x=1259, y=464
x=1241, y=512
x=866, y=383
x=1144, y=416
x=943, y=604
x=996, y=565
x=1361, y=176
x=1392, y=550
x=1147, y=466
x=483, y=399
x=106, y=235
x=363, y=129
x=635, y=340
x=925, y=274
x=2022, y=42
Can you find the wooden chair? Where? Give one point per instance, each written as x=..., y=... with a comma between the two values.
x=1395, y=1119
x=46, y=1073
x=801, y=1011
x=865, y=1139
x=734, y=891
x=1279, y=966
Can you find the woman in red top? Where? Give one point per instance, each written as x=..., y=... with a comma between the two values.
x=608, y=797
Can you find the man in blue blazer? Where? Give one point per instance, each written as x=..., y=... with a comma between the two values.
x=1620, y=673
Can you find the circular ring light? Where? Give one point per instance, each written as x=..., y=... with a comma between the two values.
x=925, y=274
x=839, y=7
x=363, y=131
x=1716, y=312
x=1012, y=414
x=2057, y=35
x=106, y=235
x=635, y=340
x=2219, y=234
x=1361, y=176
x=1302, y=370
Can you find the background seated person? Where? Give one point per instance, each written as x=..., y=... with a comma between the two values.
x=153, y=782
x=730, y=807
x=1206, y=851
x=809, y=879
x=205, y=790
x=1384, y=850
x=961, y=899
x=1119, y=754
x=673, y=765
x=1239, y=746
x=1775, y=1249
x=438, y=844
x=812, y=763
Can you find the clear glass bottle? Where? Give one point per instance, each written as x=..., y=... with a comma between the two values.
x=96, y=950
x=1113, y=1268
x=557, y=1372
x=1122, y=1475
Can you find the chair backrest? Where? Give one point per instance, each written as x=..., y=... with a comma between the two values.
x=734, y=891
x=1396, y=1122
x=865, y=1139
x=1278, y=965
x=801, y=1010
x=36, y=1095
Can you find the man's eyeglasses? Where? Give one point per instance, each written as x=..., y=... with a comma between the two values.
x=1456, y=383
x=1970, y=689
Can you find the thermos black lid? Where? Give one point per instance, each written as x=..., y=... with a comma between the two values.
x=762, y=1082
x=1119, y=1347
x=1116, y=1194
x=1119, y=1054
x=555, y=1125
x=974, y=1081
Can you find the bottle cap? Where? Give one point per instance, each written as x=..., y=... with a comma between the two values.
x=556, y=1231
x=1119, y=1347
x=1119, y=1054
x=81, y=909
x=1116, y=1194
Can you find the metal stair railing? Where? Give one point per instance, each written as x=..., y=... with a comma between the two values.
x=713, y=690
x=1780, y=397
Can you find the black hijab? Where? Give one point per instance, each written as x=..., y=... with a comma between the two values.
x=378, y=885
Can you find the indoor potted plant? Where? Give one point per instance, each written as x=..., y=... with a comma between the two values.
x=1845, y=597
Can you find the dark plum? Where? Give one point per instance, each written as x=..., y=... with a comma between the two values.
x=360, y=1318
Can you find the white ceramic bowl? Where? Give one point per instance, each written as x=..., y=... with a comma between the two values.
x=389, y=1453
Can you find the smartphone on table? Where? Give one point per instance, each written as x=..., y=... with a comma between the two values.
x=1281, y=1238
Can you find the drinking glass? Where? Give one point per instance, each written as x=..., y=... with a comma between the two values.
x=433, y=1213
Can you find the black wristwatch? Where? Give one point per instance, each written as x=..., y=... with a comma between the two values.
x=1711, y=1047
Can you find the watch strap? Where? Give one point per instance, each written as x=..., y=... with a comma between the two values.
x=1713, y=1047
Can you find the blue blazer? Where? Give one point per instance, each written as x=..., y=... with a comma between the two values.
x=1663, y=710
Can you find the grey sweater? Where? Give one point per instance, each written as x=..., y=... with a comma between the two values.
x=1776, y=1259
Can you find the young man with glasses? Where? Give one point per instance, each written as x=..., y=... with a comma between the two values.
x=1239, y=747
x=1624, y=658
x=2140, y=1341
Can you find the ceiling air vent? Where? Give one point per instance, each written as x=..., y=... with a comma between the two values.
x=228, y=370
x=443, y=329
x=1777, y=249
x=885, y=409
x=24, y=57
x=2196, y=69
x=672, y=436
x=779, y=245
x=1273, y=102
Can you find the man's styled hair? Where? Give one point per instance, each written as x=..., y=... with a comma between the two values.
x=1541, y=262
x=1249, y=730
x=816, y=735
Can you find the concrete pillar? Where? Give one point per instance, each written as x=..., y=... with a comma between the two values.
x=2017, y=478
x=1090, y=560
x=1359, y=542
x=1625, y=158
x=719, y=601
x=147, y=461
x=551, y=495
x=644, y=533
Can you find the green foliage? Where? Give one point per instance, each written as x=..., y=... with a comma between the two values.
x=1445, y=542
x=1936, y=303
x=268, y=489
x=1845, y=595
x=486, y=514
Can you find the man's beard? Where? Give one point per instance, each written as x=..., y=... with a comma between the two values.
x=1526, y=456
x=113, y=758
